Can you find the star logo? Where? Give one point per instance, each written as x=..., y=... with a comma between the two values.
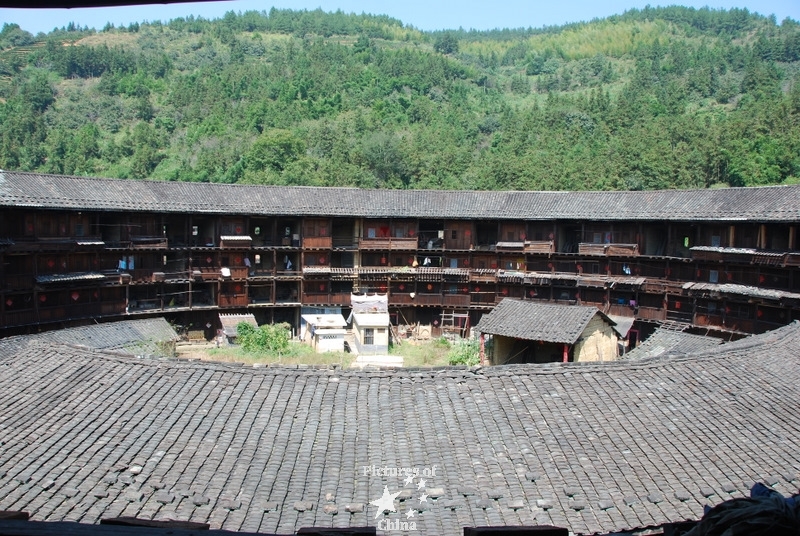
x=421, y=483
x=423, y=498
x=410, y=513
x=386, y=502
x=409, y=480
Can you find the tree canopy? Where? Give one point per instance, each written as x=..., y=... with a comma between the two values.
x=669, y=97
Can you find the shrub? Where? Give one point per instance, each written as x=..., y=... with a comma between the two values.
x=464, y=353
x=269, y=338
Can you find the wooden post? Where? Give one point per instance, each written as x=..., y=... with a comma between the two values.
x=566, y=353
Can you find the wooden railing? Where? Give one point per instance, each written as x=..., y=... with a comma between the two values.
x=540, y=246
x=318, y=242
x=428, y=299
x=148, y=242
x=401, y=298
x=232, y=300
x=388, y=243
x=337, y=298
x=455, y=300
x=611, y=250
x=19, y=281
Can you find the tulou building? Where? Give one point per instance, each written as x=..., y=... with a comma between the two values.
x=77, y=250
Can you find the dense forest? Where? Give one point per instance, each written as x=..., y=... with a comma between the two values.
x=650, y=99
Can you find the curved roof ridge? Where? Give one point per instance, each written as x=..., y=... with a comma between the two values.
x=762, y=203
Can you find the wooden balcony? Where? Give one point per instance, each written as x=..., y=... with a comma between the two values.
x=428, y=299
x=483, y=298
x=19, y=318
x=235, y=242
x=608, y=250
x=237, y=273
x=650, y=313
x=401, y=298
x=540, y=246
x=388, y=244
x=663, y=286
x=318, y=242
x=206, y=274
x=455, y=300
x=334, y=298
x=148, y=242
x=19, y=281
x=232, y=300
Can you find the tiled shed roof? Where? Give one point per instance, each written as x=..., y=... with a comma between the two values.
x=536, y=321
x=231, y=321
x=141, y=337
x=774, y=203
x=592, y=447
x=670, y=342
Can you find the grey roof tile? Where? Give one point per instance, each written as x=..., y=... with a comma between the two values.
x=637, y=443
x=22, y=189
x=538, y=321
x=669, y=342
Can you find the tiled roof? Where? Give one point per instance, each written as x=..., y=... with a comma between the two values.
x=536, y=321
x=773, y=203
x=732, y=289
x=595, y=448
x=231, y=321
x=141, y=337
x=671, y=342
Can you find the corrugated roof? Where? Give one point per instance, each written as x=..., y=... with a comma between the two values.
x=596, y=448
x=772, y=203
x=536, y=321
x=72, y=276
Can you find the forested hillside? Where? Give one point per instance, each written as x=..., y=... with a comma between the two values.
x=655, y=98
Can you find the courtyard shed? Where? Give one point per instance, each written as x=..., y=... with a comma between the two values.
x=533, y=332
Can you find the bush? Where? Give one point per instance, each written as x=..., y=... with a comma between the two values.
x=465, y=353
x=269, y=338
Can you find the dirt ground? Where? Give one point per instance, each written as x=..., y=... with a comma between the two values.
x=194, y=350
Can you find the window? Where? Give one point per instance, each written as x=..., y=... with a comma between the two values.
x=78, y=229
x=713, y=276
x=454, y=234
x=715, y=241
x=369, y=336
x=195, y=230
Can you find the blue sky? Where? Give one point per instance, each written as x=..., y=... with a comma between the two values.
x=422, y=14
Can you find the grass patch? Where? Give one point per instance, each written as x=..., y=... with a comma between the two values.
x=297, y=354
x=434, y=353
x=423, y=354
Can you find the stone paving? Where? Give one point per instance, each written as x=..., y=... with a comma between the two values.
x=87, y=434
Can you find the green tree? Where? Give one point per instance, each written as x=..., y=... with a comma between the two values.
x=446, y=43
x=273, y=151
